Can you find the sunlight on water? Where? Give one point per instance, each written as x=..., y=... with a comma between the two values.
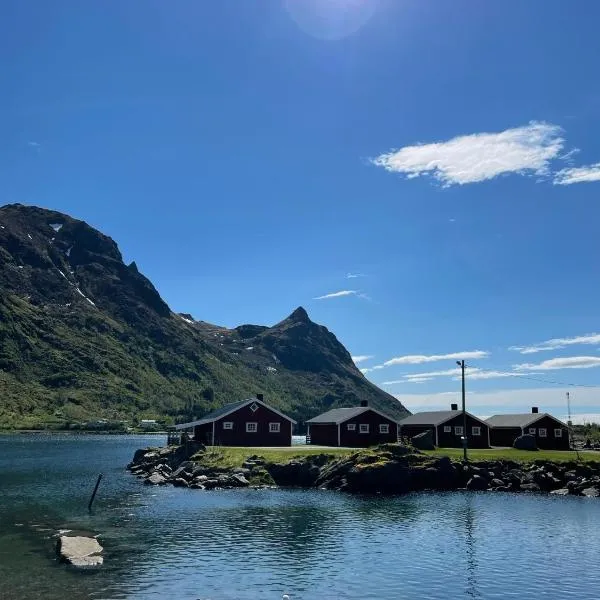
x=172, y=542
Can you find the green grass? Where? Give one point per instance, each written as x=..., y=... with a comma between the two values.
x=516, y=455
x=229, y=457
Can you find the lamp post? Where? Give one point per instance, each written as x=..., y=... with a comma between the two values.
x=461, y=364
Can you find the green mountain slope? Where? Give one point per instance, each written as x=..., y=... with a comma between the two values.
x=83, y=336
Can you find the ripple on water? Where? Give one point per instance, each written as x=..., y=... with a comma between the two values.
x=241, y=544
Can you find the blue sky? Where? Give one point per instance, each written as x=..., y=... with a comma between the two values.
x=250, y=155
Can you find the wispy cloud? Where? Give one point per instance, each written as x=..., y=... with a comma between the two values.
x=472, y=374
x=354, y=275
x=339, y=294
x=426, y=376
x=587, y=174
x=413, y=379
x=417, y=359
x=568, y=362
x=557, y=343
x=361, y=358
x=479, y=156
x=492, y=374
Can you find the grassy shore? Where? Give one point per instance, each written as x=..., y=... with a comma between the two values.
x=516, y=455
x=229, y=457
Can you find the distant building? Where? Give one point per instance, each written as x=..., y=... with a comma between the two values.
x=250, y=422
x=447, y=427
x=355, y=427
x=549, y=432
x=148, y=424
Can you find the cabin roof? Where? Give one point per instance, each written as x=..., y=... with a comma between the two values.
x=518, y=420
x=339, y=415
x=435, y=417
x=227, y=409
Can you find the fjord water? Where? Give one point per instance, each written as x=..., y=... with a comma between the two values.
x=179, y=543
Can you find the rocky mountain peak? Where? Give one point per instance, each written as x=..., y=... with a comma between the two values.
x=54, y=259
x=299, y=315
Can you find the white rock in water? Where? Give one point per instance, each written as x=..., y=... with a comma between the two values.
x=79, y=551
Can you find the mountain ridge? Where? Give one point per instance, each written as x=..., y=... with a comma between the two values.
x=84, y=335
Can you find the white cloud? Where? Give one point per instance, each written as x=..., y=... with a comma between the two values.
x=354, y=275
x=472, y=374
x=585, y=174
x=418, y=379
x=568, y=362
x=365, y=371
x=491, y=374
x=339, y=294
x=417, y=359
x=557, y=343
x=423, y=376
x=479, y=156
x=361, y=358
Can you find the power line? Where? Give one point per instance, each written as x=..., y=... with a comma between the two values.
x=523, y=376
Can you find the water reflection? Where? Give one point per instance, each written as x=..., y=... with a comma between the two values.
x=470, y=546
x=242, y=544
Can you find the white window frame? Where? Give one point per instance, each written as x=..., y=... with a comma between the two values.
x=351, y=426
x=447, y=428
x=227, y=424
x=254, y=407
x=251, y=427
x=475, y=430
x=274, y=427
x=558, y=433
x=363, y=428
x=384, y=428
x=458, y=430
x=531, y=431
x=543, y=432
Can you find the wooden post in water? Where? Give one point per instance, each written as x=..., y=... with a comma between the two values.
x=94, y=492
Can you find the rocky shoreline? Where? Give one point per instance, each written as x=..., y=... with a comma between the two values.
x=387, y=469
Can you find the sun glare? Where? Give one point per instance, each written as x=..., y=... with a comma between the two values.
x=331, y=19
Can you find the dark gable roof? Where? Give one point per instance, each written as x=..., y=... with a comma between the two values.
x=227, y=409
x=435, y=417
x=518, y=420
x=339, y=415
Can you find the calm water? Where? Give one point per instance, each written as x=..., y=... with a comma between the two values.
x=171, y=542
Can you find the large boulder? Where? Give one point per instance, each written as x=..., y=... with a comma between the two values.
x=156, y=479
x=591, y=492
x=525, y=442
x=423, y=441
x=79, y=551
x=530, y=487
x=300, y=473
x=477, y=482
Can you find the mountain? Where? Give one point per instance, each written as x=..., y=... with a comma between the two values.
x=83, y=335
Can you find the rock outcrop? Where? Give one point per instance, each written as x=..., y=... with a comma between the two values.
x=79, y=551
x=423, y=441
x=525, y=442
x=387, y=469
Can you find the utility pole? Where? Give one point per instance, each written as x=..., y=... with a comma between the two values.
x=461, y=364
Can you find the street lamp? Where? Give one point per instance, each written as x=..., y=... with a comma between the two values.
x=465, y=439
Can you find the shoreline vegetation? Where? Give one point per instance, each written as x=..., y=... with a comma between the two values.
x=385, y=469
